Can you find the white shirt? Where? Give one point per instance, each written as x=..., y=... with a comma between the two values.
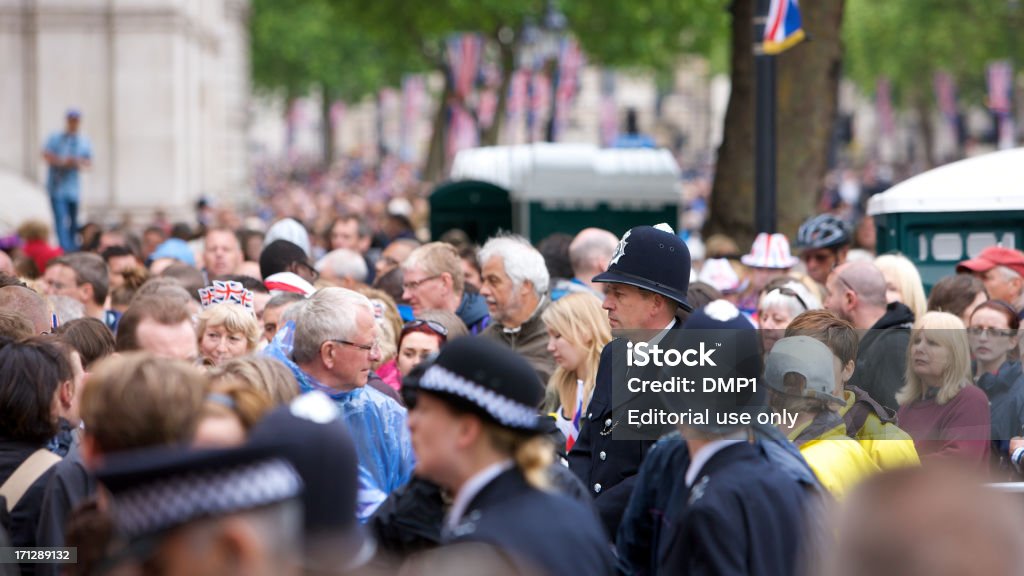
x=472, y=487
x=698, y=460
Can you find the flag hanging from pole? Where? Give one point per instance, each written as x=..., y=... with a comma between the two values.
x=883, y=107
x=1000, y=87
x=784, y=27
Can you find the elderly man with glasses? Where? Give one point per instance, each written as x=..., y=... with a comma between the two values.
x=334, y=344
x=434, y=280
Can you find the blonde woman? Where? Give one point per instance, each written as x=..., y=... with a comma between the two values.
x=577, y=331
x=902, y=282
x=226, y=331
x=388, y=319
x=946, y=415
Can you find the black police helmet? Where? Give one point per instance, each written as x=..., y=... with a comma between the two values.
x=652, y=258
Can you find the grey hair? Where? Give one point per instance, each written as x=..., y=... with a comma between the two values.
x=344, y=263
x=776, y=299
x=522, y=261
x=328, y=313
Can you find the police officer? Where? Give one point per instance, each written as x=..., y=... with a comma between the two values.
x=648, y=277
x=733, y=511
x=474, y=427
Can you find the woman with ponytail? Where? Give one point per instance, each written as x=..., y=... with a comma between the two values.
x=474, y=427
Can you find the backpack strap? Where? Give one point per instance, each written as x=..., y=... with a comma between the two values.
x=863, y=407
x=26, y=474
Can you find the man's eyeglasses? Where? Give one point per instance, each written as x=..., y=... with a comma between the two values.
x=436, y=327
x=792, y=294
x=977, y=331
x=414, y=284
x=364, y=347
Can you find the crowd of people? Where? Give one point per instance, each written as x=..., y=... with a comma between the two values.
x=338, y=397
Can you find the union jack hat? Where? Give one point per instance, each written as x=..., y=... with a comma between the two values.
x=230, y=291
x=769, y=251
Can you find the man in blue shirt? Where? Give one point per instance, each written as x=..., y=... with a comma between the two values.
x=66, y=153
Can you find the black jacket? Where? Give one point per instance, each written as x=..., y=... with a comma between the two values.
x=410, y=520
x=741, y=516
x=882, y=356
x=607, y=454
x=1005, y=391
x=648, y=514
x=541, y=532
x=25, y=516
x=70, y=484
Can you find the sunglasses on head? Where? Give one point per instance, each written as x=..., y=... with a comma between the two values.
x=792, y=293
x=436, y=327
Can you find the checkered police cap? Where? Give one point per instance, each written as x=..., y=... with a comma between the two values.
x=156, y=490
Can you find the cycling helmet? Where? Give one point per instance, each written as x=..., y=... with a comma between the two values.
x=823, y=231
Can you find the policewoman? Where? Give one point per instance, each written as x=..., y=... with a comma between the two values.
x=474, y=428
x=647, y=278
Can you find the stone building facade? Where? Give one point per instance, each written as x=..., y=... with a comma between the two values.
x=163, y=87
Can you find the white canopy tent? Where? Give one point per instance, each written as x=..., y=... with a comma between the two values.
x=21, y=200
x=991, y=182
x=574, y=174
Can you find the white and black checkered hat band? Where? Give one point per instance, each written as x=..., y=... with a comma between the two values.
x=193, y=495
x=501, y=408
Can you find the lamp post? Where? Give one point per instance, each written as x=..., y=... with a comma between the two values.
x=764, y=158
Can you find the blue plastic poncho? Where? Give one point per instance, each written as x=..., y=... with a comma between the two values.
x=377, y=424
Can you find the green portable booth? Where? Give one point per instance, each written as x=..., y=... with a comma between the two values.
x=560, y=188
x=953, y=212
x=480, y=209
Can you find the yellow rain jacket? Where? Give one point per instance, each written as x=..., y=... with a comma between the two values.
x=838, y=461
x=888, y=445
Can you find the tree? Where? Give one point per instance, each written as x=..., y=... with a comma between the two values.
x=909, y=41
x=808, y=83
x=306, y=45
x=647, y=35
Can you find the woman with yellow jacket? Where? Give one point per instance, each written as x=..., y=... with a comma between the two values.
x=800, y=377
x=867, y=421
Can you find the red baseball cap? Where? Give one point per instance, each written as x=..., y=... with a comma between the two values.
x=994, y=256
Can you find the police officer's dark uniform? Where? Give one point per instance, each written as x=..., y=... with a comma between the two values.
x=658, y=261
x=541, y=532
x=733, y=511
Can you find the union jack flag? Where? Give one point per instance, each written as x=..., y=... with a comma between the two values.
x=883, y=107
x=1000, y=87
x=465, y=54
x=571, y=62
x=784, y=28
x=608, y=111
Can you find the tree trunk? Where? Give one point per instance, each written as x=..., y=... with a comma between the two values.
x=507, y=53
x=732, y=194
x=434, y=170
x=808, y=97
x=923, y=106
x=326, y=125
x=808, y=84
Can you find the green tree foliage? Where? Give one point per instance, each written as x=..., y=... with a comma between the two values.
x=653, y=34
x=305, y=44
x=910, y=40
